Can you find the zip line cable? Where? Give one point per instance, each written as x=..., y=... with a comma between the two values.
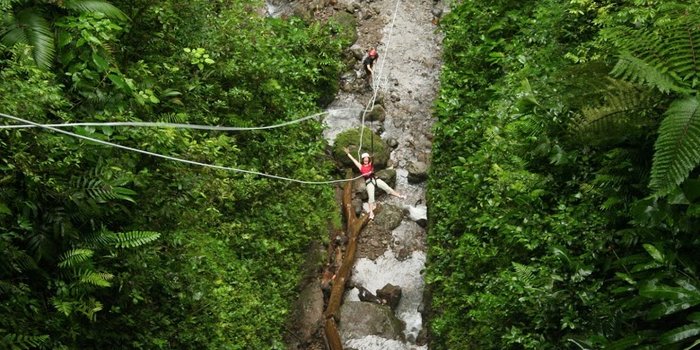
x=127, y=148
x=178, y=125
x=377, y=85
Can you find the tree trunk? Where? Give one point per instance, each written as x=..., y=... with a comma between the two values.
x=353, y=228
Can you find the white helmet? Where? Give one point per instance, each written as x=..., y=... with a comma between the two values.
x=364, y=155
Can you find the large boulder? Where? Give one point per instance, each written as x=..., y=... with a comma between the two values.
x=378, y=114
x=370, y=141
x=389, y=218
x=344, y=25
x=390, y=293
x=359, y=319
x=417, y=172
x=388, y=175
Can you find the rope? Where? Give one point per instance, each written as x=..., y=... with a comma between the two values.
x=379, y=79
x=177, y=125
x=127, y=148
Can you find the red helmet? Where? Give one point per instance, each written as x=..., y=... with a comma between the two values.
x=373, y=53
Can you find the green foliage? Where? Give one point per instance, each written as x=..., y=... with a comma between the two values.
x=28, y=24
x=215, y=255
x=133, y=239
x=543, y=232
x=23, y=342
x=371, y=143
x=620, y=116
x=678, y=146
x=29, y=27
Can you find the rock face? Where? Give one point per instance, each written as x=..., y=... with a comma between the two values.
x=389, y=218
x=417, y=172
x=378, y=114
x=389, y=176
x=371, y=142
x=359, y=319
x=390, y=293
x=310, y=310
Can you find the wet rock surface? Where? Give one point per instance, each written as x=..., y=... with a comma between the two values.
x=361, y=319
x=406, y=79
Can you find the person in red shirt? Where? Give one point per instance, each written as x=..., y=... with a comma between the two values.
x=367, y=171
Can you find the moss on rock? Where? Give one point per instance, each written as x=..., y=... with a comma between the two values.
x=345, y=27
x=351, y=139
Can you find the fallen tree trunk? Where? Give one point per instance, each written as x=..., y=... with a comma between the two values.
x=354, y=225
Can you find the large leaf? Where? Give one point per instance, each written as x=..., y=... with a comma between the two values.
x=103, y=7
x=29, y=27
x=74, y=257
x=680, y=334
x=133, y=239
x=678, y=146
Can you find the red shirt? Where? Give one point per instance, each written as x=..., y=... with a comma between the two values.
x=367, y=170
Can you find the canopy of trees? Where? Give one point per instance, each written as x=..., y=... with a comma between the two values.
x=565, y=213
x=103, y=248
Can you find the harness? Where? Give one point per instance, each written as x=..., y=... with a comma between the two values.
x=369, y=170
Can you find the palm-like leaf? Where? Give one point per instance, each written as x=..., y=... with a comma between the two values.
x=99, y=279
x=74, y=257
x=668, y=61
x=133, y=239
x=678, y=146
x=622, y=109
x=18, y=341
x=29, y=27
x=103, y=7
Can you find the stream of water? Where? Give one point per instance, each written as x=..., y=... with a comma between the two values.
x=410, y=73
x=410, y=48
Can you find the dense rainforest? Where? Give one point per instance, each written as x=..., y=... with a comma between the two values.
x=103, y=248
x=565, y=192
x=564, y=197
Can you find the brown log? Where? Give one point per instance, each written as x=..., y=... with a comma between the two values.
x=353, y=228
x=332, y=335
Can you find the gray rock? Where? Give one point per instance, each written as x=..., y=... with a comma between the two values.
x=371, y=142
x=388, y=175
x=357, y=205
x=389, y=218
x=309, y=310
x=392, y=142
x=359, y=319
x=357, y=52
x=417, y=172
x=378, y=114
x=390, y=293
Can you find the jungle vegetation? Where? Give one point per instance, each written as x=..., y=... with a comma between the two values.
x=104, y=248
x=564, y=209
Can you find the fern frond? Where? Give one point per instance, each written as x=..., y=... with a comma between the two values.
x=100, y=191
x=103, y=7
x=133, y=239
x=638, y=71
x=621, y=111
x=677, y=150
x=18, y=341
x=30, y=28
x=668, y=60
x=99, y=279
x=64, y=307
x=524, y=273
x=74, y=257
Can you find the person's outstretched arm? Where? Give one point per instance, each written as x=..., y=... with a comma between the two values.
x=357, y=164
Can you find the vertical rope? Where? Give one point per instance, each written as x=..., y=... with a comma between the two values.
x=376, y=86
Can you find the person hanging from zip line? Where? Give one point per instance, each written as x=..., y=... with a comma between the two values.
x=368, y=64
x=371, y=181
